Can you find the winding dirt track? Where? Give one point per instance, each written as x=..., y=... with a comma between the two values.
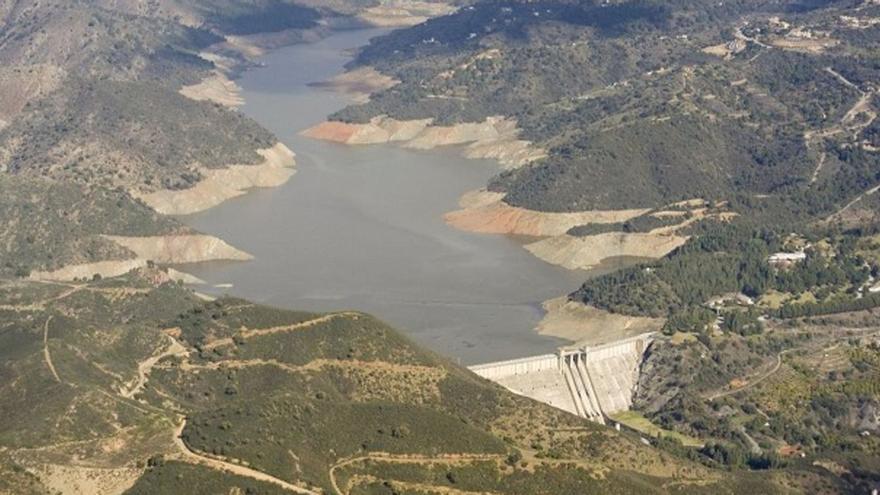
x=144, y=367
x=258, y=332
x=756, y=381
x=862, y=105
x=196, y=458
x=408, y=459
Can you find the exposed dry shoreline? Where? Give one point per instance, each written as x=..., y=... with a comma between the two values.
x=168, y=249
x=221, y=184
x=583, y=253
x=486, y=212
x=587, y=325
x=217, y=88
x=495, y=137
x=358, y=84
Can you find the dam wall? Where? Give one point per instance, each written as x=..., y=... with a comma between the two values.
x=519, y=366
x=591, y=382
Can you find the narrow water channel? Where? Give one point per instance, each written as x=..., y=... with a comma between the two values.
x=361, y=228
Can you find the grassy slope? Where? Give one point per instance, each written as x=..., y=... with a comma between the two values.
x=345, y=388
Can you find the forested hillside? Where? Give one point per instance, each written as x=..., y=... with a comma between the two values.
x=646, y=103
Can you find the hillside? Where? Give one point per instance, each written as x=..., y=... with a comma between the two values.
x=641, y=104
x=804, y=390
x=285, y=401
x=731, y=142
x=106, y=102
x=47, y=225
x=118, y=380
x=112, y=115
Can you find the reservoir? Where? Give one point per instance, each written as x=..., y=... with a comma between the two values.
x=361, y=228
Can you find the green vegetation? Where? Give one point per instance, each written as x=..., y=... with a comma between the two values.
x=801, y=391
x=371, y=417
x=179, y=477
x=631, y=110
x=50, y=224
x=727, y=259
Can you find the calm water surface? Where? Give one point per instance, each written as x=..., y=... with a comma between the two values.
x=361, y=228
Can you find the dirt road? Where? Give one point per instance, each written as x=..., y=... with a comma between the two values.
x=196, y=458
x=409, y=459
x=46, y=355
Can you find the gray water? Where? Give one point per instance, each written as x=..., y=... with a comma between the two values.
x=361, y=228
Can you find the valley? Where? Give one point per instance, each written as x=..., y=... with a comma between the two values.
x=407, y=247
x=362, y=228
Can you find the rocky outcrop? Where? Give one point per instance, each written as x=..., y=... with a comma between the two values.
x=486, y=212
x=587, y=325
x=589, y=251
x=496, y=137
x=218, y=185
x=159, y=249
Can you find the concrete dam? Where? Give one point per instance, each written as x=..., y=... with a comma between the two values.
x=591, y=382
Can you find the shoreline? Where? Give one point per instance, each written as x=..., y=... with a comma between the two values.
x=585, y=325
x=161, y=249
x=222, y=184
x=218, y=185
x=494, y=138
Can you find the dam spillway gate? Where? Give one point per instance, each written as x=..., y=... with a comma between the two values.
x=591, y=382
